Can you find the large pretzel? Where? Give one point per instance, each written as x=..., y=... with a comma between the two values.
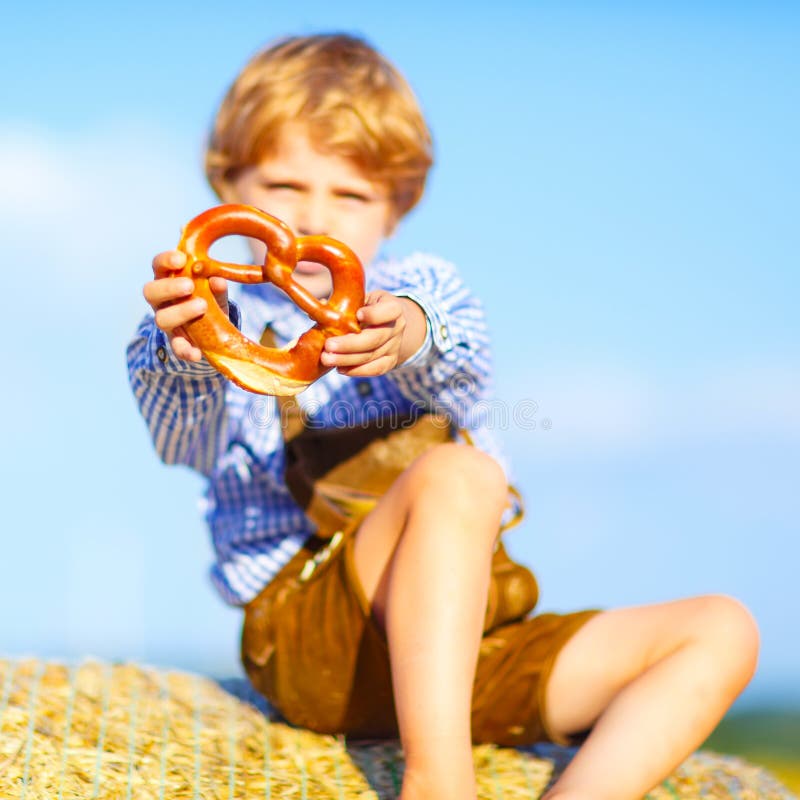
x=269, y=370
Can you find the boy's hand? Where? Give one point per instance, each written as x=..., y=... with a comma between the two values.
x=172, y=303
x=392, y=329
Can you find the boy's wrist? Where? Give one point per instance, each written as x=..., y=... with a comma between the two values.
x=416, y=332
x=435, y=336
x=163, y=358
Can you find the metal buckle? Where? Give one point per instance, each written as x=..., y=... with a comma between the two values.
x=320, y=557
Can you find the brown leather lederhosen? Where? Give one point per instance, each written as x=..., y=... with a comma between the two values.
x=309, y=642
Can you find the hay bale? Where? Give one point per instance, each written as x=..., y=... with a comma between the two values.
x=99, y=730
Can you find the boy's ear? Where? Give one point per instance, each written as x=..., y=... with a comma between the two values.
x=226, y=187
x=226, y=193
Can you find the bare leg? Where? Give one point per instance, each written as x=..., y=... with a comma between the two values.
x=653, y=681
x=423, y=556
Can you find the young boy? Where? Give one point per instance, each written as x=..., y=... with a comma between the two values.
x=383, y=629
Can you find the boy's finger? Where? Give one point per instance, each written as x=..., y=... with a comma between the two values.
x=182, y=346
x=219, y=288
x=169, y=262
x=160, y=291
x=379, y=314
x=218, y=285
x=345, y=360
x=171, y=317
x=366, y=341
x=379, y=366
x=184, y=349
x=354, y=359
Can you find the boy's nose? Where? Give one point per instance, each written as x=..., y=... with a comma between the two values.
x=312, y=219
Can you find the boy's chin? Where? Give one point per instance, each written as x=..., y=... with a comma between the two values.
x=318, y=283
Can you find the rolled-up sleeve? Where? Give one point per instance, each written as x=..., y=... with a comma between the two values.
x=452, y=370
x=182, y=402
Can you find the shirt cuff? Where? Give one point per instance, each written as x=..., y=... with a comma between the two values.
x=163, y=359
x=438, y=334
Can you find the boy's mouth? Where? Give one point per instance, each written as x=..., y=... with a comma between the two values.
x=309, y=268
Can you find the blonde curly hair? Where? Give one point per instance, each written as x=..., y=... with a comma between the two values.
x=355, y=103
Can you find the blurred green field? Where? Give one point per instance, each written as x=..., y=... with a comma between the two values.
x=769, y=738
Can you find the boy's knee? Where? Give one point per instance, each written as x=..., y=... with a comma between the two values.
x=729, y=622
x=457, y=472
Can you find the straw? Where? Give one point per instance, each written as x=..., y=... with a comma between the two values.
x=99, y=730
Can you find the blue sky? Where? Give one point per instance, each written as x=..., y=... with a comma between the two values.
x=618, y=182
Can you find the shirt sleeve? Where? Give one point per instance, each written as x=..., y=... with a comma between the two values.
x=452, y=370
x=182, y=402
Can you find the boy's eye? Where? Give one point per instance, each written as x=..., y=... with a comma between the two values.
x=358, y=196
x=281, y=186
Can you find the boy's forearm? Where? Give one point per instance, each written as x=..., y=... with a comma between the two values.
x=451, y=367
x=415, y=330
x=184, y=411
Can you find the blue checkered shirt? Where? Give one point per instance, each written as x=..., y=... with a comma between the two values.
x=198, y=418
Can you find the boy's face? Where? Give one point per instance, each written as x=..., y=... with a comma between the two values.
x=316, y=193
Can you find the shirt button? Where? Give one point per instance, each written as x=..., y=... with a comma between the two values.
x=443, y=332
x=364, y=388
x=162, y=354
